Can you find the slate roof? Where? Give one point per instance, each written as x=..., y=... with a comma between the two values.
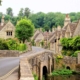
x=73, y=27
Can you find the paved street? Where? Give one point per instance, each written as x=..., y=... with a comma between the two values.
x=9, y=63
x=34, y=51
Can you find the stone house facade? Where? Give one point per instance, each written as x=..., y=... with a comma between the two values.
x=7, y=30
x=40, y=36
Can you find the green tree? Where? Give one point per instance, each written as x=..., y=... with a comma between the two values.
x=46, y=28
x=1, y=14
x=21, y=13
x=27, y=12
x=49, y=19
x=9, y=11
x=59, y=19
x=24, y=29
x=0, y=2
x=7, y=18
x=38, y=19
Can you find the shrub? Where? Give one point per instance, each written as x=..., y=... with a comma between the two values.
x=67, y=52
x=35, y=77
x=21, y=47
x=76, y=53
x=62, y=72
x=33, y=43
x=12, y=44
x=59, y=56
x=42, y=43
x=3, y=45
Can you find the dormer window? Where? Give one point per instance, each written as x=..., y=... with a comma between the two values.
x=9, y=33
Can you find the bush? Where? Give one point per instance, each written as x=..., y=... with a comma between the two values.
x=33, y=43
x=62, y=72
x=3, y=45
x=12, y=44
x=76, y=53
x=59, y=56
x=21, y=47
x=35, y=77
x=67, y=52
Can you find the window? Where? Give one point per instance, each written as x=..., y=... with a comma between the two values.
x=9, y=33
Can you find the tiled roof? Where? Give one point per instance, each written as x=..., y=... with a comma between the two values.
x=46, y=35
x=36, y=36
x=39, y=40
x=73, y=27
x=63, y=32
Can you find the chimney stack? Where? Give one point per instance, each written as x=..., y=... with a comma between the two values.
x=2, y=21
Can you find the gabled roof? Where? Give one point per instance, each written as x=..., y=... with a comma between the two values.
x=46, y=35
x=36, y=36
x=73, y=27
x=5, y=23
x=63, y=32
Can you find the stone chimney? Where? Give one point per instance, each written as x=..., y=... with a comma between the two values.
x=53, y=29
x=67, y=20
x=2, y=21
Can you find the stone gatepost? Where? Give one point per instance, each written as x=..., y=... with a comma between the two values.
x=25, y=71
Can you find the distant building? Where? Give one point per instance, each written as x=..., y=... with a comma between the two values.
x=7, y=30
x=70, y=29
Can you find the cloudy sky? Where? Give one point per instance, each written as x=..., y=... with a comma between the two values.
x=64, y=6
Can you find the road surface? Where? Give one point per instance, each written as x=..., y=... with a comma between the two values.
x=9, y=63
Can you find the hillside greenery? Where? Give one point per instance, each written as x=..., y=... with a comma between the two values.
x=40, y=19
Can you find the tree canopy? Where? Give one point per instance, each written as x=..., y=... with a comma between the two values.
x=40, y=19
x=9, y=11
x=24, y=29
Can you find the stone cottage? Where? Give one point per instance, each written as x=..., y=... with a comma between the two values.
x=7, y=30
x=70, y=29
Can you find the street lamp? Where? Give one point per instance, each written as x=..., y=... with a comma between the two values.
x=0, y=2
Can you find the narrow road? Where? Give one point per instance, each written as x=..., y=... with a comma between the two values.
x=9, y=63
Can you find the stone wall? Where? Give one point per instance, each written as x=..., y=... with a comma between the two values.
x=25, y=70
x=65, y=62
x=9, y=53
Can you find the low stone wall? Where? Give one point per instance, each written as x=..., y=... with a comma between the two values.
x=9, y=53
x=25, y=70
x=67, y=61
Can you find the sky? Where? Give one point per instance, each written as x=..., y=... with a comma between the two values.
x=63, y=6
